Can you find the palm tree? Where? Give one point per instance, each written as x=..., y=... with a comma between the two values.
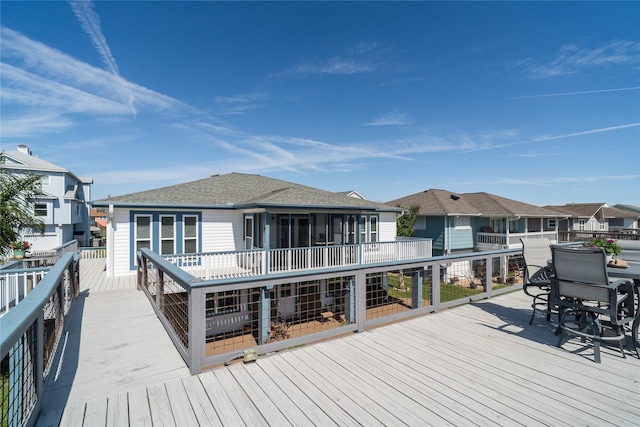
x=17, y=216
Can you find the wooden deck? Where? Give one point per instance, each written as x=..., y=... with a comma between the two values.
x=478, y=364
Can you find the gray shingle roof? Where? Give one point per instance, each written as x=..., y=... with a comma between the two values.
x=19, y=160
x=441, y=202
x=599, y=210
x=581, y=210
x=243, y=191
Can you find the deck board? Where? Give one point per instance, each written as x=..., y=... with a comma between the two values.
x=480, y=364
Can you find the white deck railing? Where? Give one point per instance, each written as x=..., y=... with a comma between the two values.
x=502, y=239
x=15, y=285
x=232, y=264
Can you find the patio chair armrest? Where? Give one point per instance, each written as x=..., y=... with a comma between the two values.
x=625, y=285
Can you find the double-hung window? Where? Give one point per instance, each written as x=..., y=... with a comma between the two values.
x=143, y=231
x=368, y=228
x=167, y=235
x=190, y=234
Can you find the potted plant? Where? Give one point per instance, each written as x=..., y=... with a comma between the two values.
x=611, y=248
x=19, y=248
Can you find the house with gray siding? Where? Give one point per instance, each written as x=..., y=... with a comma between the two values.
x=64, y=207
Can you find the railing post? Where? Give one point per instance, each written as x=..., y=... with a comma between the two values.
x=416, y=289
x=265, y=313
x=435, y=286
x=39, y=368
x=196, y=331
x=489, y=272
x=360, y=299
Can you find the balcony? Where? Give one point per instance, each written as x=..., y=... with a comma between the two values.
x=258, y=262
x=495, y=241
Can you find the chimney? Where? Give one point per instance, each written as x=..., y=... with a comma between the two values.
x=24, y=149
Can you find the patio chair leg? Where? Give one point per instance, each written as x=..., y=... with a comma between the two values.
x=533, y=315
x=597, y=332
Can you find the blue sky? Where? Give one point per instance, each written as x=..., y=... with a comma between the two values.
x=538, y=102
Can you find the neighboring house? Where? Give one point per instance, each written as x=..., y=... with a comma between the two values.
x=597, y=217
x=239, y=212
x=64, y=208
x=630, y=219
x=98, y=226
x=467, y=222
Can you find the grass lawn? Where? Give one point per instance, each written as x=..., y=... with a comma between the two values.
x=448, y=291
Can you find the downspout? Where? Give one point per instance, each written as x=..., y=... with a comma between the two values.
x=110, y=237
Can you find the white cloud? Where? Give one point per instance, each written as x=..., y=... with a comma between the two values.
x=571, y=59
x=90, y=22
x=29, y=126
x=39, y=77
x=491, y=146
x=392, y=118
x=586, y=92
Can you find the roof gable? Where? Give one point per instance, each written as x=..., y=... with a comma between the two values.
x=19, y=160
x=580, y=210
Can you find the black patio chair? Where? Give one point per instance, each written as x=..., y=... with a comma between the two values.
x=537, y=273
x=590, y=306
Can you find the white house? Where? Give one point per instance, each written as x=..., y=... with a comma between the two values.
x=293, y=223
x=64, y=208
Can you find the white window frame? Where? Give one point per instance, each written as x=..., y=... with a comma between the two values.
x=581, y=224
x=166, y=239
x=248, y=231
x=135, y=231
x=551, y=223
x=374, y=228
x=367, y=233
x=186, y=238
x=38, y=207
x=602, y=224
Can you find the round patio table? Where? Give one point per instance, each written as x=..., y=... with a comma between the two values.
x=631, y=272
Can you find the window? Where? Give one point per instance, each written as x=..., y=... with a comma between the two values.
x=44, y=179
x=351, y=230
x=368, y=228
x=190, y=234
x=462, y=223
x=602, y=224
x=551, y=223
x=373, y=229
x=40, y=209
x=167, y=235
x=143, y=232
x=248, y=232
x=581, y=224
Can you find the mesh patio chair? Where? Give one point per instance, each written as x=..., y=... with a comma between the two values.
x=537, y=273
x=590, y=306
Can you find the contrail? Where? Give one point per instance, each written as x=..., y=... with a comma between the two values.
x=575, y=93
x=554, y=137
x=90, y=22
